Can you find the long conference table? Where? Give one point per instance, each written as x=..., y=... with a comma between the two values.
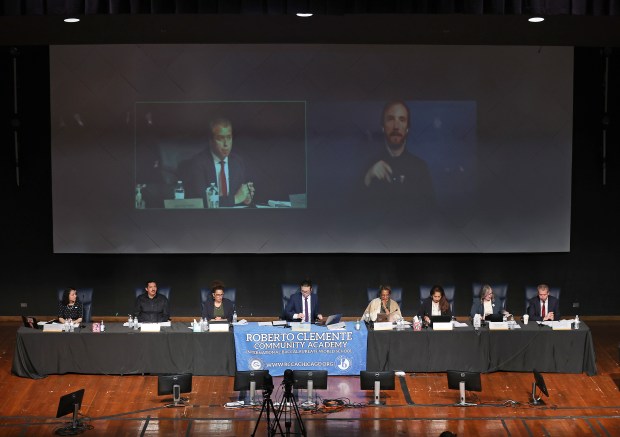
x=176, y=349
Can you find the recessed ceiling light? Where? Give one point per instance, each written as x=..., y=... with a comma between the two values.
x=536, y=19
x=304, y=14
x=71, y=20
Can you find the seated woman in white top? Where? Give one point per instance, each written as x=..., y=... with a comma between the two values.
x=487, y=305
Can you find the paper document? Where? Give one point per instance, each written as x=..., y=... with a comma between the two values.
x=241, y=322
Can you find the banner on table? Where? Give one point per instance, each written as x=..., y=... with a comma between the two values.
x=340, y=352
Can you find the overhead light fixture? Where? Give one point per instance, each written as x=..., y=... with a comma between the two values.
x=304, y=14
x=71, y=20
x=536, y=19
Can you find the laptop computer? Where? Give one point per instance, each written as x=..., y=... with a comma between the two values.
x=30, y=322
x=334, y=318
x=382, y=317
x=440, y=319
x=494, y=318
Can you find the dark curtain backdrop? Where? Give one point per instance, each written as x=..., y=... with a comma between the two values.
x=588, y=274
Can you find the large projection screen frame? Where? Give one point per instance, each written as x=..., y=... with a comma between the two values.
x=491, y=127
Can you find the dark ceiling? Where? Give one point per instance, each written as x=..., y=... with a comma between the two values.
x=576, y=22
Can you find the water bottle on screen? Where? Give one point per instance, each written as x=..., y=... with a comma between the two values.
x=213, y=196
x=179, y=191
x=235, y=316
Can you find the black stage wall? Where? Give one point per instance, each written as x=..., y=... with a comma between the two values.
x=31, y=272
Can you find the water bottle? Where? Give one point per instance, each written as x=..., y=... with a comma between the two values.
x=477, y=321
x=69, y=325
x=213, y=196
x=577, y=322
x=179, y=191
x=130, y=322
x=235, y=316
x=357, y=325
x=102, y=327
x=136, y=324
x=139, y=199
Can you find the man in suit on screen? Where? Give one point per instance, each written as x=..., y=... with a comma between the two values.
x=218, y=164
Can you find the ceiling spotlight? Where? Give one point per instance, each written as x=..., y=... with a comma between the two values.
x=304, y=14
x=536, y=19
x=71, y=20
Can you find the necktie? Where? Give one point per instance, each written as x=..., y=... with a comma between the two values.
x=306, y=315
x=542, y=311
x=223, y=187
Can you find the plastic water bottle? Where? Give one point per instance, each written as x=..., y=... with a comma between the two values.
x=139, y=201
x=213, y=196
x=477, y=321
x=357, y=325
x=102, y=327
x=136, y=324
x=130, y=322
x=577, y=322
x=179, y=191
x=235, y=316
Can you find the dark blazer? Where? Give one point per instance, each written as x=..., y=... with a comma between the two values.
x=553, y=306
x=295, y=306
x=209, y=309
x=478, y=308
x=198, y=172
x=426, y=309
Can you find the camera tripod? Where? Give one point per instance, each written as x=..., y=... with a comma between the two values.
x=268, y=409
x=288, y=400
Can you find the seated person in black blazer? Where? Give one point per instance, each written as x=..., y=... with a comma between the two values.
x=151, y=307
x=218, y=308
x=70, y=308
x=303, y=305
x=486, y=306
x=434, y=305
x=543, y=307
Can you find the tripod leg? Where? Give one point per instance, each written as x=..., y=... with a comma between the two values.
x=264, y=408
x=276, y=420
x=300, y=423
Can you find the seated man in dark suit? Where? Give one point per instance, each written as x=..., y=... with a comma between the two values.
x=303, y=305
x=151, y=307
x=543, y=307
x=217, y=164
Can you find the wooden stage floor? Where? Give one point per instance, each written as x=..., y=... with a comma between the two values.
x=421, y=405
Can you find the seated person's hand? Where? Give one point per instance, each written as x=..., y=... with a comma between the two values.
x=381, y=170
x=319, y=316
x=549, y=316
x=245, y=193
x=427, y=320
